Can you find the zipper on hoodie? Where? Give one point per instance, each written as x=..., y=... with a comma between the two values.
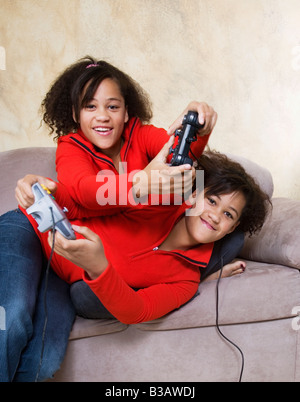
x=101, y=157
x=196, y=262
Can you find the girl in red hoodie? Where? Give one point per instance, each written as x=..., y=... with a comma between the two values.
x=139, y=269
x=100, y=117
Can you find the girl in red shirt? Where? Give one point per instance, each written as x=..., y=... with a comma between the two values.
x=134, y=250
x=161, y=261
x=98, y=115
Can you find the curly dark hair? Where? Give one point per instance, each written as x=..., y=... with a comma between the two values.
x=76, y=86
x=223, y=176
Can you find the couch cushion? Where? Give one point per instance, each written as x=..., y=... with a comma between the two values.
x=16, y=163
x=84, y=328
x=261, y=175
x=279, y=240
x=264, y=292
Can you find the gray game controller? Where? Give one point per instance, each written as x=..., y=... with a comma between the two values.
x=41, y=212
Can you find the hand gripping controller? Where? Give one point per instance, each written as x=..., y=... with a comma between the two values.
x=41, y=212
x=186, y=136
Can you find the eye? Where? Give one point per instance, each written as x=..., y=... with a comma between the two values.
x=211, y=201
x=90, y=106
x=113, y=107
x=228, y=214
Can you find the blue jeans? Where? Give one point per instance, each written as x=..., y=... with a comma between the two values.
x=225, y=250
x=22, y=297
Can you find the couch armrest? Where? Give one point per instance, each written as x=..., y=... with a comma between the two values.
x=279, y=240
x=16, y=163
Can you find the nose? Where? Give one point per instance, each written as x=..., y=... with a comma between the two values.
x=102, y=114
x=214, y=215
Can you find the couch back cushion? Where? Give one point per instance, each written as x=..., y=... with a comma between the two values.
x=261, y=175
x=16, y=163
x=278, y=241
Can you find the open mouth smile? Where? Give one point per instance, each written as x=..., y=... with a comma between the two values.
x=102, y=130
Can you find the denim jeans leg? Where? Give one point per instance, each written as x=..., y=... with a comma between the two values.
x=22, y=285
x=60, y=315
x=86, y=303
x=20, y=268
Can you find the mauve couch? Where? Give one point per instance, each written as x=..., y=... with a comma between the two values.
x=258, y=310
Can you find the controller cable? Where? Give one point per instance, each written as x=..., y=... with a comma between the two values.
x=217, y=322
x=45, y=297
x=217, y=306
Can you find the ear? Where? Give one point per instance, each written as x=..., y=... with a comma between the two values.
x=74, y=115
x=126, y=116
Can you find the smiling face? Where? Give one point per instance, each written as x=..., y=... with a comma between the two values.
x=216, y=217
x=103, y=118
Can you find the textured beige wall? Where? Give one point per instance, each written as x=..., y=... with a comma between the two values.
x=241, y=56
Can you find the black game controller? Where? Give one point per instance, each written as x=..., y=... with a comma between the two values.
x=187, y=135
x=41, y=211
